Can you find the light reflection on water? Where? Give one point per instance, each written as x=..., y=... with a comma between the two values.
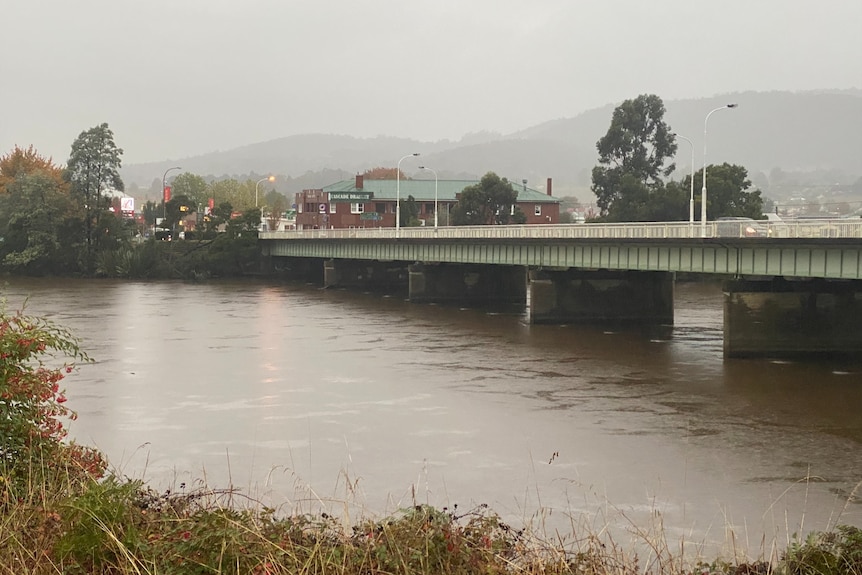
x=295, y=393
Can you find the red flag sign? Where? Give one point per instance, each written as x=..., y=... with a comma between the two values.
x=167, y=195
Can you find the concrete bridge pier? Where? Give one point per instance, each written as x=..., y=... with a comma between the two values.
x=467, y=284
x=371, y=275
x=303, y=269
x=600, y=296
x=792, y=318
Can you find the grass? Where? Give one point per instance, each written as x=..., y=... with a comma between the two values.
x=121, y=526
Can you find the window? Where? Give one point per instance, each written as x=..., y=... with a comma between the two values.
x=332, y=208
x=357, y=208
x=380, y=208
x=538, y=211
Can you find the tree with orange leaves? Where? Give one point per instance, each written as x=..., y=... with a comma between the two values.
x=20, y=162
x=381, y=174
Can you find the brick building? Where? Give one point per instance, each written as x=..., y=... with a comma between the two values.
x=363, y=203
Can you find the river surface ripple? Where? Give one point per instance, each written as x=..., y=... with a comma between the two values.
x=362, y=404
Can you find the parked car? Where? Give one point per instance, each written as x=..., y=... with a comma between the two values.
x=737, y=227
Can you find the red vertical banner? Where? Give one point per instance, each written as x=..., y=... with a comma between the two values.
x=211, y=203
x=167, y=194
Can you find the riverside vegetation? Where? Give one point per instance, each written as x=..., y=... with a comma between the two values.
x=62, y=510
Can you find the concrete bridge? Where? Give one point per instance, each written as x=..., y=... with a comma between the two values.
x=793, y=289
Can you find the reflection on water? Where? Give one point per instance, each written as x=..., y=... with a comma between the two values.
x=299, y=394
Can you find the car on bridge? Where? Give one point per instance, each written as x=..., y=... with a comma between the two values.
x=738, y=227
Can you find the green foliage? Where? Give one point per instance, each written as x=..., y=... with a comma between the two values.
x=488, y=202
x=191, y=186
x=92, y=169
x=32, y=404
x=409, y=212
x=177, y=209
x=729, y=193
x=635, y=149
x=427, y=540
x=832, y=553
x=32, y=210
x=103, y=527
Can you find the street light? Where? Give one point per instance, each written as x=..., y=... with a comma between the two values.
x=703, y=190
x=164, y=202
x=269, y=178
x=435, y=192
x=691, y=190
x=398, y=192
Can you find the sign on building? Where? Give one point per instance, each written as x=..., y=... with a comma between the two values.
x=350, y=196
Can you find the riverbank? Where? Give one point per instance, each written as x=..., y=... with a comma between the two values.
x=123, y=527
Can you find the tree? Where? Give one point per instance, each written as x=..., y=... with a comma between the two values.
x=729, y=193
x=637, y=145
x=490, y=201
x=176, y=209
x=20, y=162
x=92, y=169
x=277, y=204
x=409, y=212
x=35, y=212
x=382, y=174
x=38, y=223
x=232, y=192
x=192, y=186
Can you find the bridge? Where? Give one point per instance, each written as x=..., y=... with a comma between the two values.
x=792, y=289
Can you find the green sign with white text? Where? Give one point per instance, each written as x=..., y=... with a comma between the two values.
x=350, y=196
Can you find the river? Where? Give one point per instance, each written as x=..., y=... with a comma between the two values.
x=362, y=404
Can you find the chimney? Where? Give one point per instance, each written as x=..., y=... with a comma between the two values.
x=359, y=181
x=548, y=187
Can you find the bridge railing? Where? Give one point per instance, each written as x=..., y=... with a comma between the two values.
x=820, y=228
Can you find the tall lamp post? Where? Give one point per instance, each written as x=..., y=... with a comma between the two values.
x=691, y=186
x=703, y=190
x=398, y=192
x=268, y=178
x=164, y=201
x=435, y=192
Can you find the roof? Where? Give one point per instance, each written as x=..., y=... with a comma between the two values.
x=423, y=190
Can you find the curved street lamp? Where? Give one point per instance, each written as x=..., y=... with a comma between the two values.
x=703, y=190
x=268, y=178
x=691, y=186
x=398, y=192
x=164, y=201
x=435, y=192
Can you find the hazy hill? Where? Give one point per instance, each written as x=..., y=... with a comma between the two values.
x=769, y=132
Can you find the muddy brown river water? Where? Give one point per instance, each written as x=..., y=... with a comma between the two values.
x=363, y=404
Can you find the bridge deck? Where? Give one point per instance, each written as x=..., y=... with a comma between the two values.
x=802, y=249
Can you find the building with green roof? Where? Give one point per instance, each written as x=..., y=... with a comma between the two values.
x=364, y=203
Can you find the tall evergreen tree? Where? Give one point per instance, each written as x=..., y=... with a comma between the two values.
x=93, y=169
x=636, y=148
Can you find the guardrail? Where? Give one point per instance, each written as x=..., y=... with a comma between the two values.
x=832, y=228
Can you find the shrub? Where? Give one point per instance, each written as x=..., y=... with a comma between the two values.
x=32, y=406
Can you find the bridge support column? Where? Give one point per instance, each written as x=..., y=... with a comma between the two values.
x=468, y=284
x=364, y=274
x=576, y=296
x=302, y=269
x=790, y=318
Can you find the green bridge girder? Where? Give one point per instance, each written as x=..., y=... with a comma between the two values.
x=788, y=257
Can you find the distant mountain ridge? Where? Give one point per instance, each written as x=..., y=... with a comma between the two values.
x=790, y=131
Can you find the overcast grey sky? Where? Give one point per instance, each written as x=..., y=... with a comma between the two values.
x=177, y=78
